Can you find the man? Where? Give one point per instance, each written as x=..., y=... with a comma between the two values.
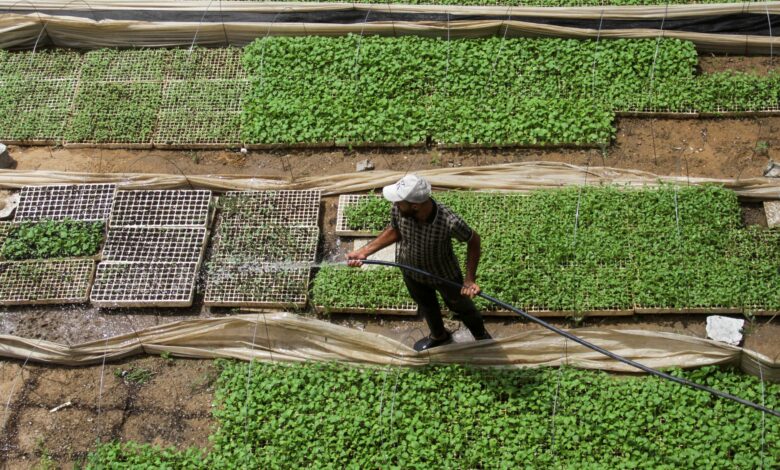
x=423, y=230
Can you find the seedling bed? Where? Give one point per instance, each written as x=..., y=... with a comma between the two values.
x=342, y=228
x=41, y=65
x=123, y=284
x=34, y=111
x=45, y=282
x=113, y=65
x=155, y=244
x=88, y=202
x=198, y=129
x=265, y=243
x=253, y=284
x=291, y=208
x=115, y=113
x=200, y=64
x=161, y=208
x=204, y=95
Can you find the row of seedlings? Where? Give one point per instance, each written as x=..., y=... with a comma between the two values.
x=136, y=98
x=50, y=249
x=155, y=244
x=37, y=92
x=591, y=251
x=265, y=244
x=377, y=290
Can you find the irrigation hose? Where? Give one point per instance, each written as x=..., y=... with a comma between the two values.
x=581, y=341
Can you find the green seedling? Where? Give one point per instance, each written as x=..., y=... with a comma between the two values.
x=133, y=375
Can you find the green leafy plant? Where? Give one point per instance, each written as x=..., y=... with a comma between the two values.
x=109, y=112
x=319, y=415
x=53, y=239
x=590, y=248
x=370, y=214
x=134, y=375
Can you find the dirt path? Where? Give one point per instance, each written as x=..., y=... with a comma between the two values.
x=159, y=401
x=722, y=148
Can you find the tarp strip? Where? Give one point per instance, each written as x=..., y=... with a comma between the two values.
x=516, y=177
x=287, y=337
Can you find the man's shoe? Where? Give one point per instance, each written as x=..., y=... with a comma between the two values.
x=428, y=342
x=485, y=335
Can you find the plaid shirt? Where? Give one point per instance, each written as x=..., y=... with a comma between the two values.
x=428, y=246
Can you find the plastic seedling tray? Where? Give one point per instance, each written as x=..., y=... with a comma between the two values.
x=155, y=244
x=198, y=129
x=270, y=243
x=161, y=208
x=113, y=65
x=45, y=281
x=42, y=65
x=211, y=64
x=292, y=208
x=342, y=228
x=88, y=202
x=123, y=284
x=253, y=284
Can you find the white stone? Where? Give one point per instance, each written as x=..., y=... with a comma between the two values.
x=8, y=202
x=365, y=165
x=772, y=211
x=772, y=170
x=725, y=329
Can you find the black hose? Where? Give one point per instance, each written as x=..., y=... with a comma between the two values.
x=587, y=344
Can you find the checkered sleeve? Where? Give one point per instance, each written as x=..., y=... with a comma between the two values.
x=394, y=215
x=458, y=227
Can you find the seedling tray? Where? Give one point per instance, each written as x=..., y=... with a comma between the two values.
x=114, y=113
x=45, y=281
x=254, y=284
x=155, y=244
x=204, y=95
x=5, y=229
x=42, y=65
x=342, y=228
x=269, y=243
x=113, y=65
x=88, y=202
x=198, y=129
x=123, y=284
x=212, y=64
x=161, y=208
x=291, y=208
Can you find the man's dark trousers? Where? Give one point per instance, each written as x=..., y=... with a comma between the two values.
x=462, y=306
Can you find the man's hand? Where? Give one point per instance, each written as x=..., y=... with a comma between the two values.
x=355, y=258
x=470, y=289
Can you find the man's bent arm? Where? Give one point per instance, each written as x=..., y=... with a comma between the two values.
x=385, y=239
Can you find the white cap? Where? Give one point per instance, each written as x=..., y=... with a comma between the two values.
x=410, y=188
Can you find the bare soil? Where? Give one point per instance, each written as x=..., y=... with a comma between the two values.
x=758, y=65
x=172, y=408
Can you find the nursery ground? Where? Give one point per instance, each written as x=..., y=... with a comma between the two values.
x=172, y=406
x=719, y=148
